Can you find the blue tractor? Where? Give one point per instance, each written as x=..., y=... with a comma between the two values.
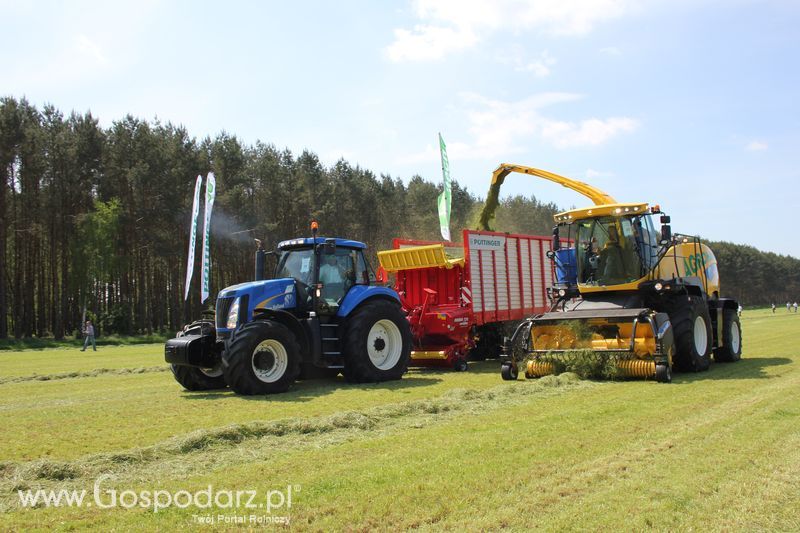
x=322, y=314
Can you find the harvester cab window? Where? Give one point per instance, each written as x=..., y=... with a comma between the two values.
x=607, y=252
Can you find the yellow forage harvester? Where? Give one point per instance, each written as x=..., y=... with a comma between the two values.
x=627, y=296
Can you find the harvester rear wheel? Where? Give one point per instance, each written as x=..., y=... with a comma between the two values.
x=508, y=372
x=262, y=358
x=692, y=326
x=377, y=343
x=461, y=365
x=731, y=349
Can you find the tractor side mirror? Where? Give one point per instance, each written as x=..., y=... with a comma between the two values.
x=556, y=240
x=665, y=219
x=330, y=246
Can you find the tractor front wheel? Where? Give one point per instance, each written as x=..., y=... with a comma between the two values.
x=262, y=358
x=196, y=379
x=193, y=378
x=377, y=343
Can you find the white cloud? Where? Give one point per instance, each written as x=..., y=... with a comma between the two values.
x=591, y=132
x=539, y=67
x=498, y=129
x=756, y=146
x=452, y=25
x=426, y=43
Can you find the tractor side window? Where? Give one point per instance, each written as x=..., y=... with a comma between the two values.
x=363, y=273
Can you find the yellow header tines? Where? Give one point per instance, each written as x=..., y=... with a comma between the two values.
x=431, y=256
x=618, y=210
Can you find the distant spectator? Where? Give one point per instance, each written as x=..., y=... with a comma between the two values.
x=788, y=306
x=795, y=307
x=773, y=308
x=739, y=311
x=88, y=331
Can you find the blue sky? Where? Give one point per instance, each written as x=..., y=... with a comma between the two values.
x=689, y=104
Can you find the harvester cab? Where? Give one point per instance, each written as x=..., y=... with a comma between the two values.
x=321, y=311
x=634, y=302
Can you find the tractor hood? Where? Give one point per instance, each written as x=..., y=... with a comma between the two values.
x=265, y=294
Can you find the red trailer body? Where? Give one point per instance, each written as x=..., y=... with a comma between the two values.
x=455, y=306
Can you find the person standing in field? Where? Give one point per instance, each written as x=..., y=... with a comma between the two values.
x=88, y=331
x=739, y=310
x=795, y=307
x=773, y=308
x=788, y=306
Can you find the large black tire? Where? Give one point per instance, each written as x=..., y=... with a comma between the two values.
x=692, y=326
x=197, y=379
x=377, y=343
x=193, y=378
x=731, y=349
x=263, y=357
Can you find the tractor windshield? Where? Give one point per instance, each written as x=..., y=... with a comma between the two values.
x=615, y=250
x=296, y=263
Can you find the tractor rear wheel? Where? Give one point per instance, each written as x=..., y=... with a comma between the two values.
x=692, y=327
x=263, y=357
x=731, y=349
x=377, y=343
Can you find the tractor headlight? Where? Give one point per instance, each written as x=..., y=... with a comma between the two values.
x=562, y=292
x=658, y=286
x=233, y=315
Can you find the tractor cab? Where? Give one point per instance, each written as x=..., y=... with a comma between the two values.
x=324, y=271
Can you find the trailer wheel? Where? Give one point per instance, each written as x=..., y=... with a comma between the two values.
x=692, y=326
x=508, y=372
x=461, y=365
x=731, y=349
x=663, y=374
x=196, y=379
x=377, y=343
x=262, y=358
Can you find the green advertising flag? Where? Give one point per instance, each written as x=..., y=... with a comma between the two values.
x=193, y=235
x=211, y=189
x=444, y=199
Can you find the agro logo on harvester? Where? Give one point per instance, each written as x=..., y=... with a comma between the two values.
x=695, y=262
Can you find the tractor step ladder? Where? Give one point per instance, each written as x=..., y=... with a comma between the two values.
x=331, y=345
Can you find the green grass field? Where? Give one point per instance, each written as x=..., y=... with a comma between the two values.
x=718, y=450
